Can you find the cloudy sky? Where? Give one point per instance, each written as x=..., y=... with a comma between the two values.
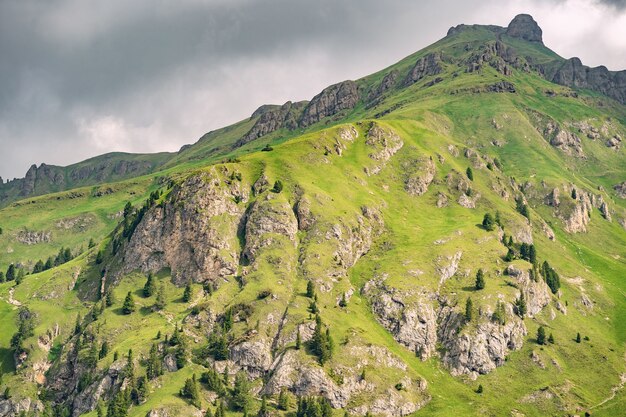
x=80, y=78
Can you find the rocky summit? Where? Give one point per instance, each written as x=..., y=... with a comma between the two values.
x=444, y=237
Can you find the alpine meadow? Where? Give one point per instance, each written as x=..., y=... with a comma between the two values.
x=445, y=237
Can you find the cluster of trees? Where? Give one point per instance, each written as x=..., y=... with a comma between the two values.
x=25, y=328
x=551, y=277
x=490, y=222
x=313, y=407
x=64, y=255
x=321, y=342
x=541, y=337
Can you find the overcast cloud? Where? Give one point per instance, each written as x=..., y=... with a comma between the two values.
x=80, y=78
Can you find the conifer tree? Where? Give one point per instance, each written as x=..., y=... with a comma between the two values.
x=480, y=279
x=470, y=173
x=187, y=294
x=150, y=287
x=160, y=302
x=129, y=304
x=520, y=305
x=469, y=309
x=310, y=289
x=541, y=335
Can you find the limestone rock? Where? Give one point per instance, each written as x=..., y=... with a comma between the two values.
x=419, y=173
x=431, y=64
x=481, y=350
x=194, y=233
x=30, y=237
x=537, y=294
x=254, y=357
x=269, y=218
x=523, y=26
x=385, y=143
x=332, y=100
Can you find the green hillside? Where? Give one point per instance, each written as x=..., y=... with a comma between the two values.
x=317, y=259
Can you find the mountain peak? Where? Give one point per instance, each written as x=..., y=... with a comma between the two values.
x=523, y=26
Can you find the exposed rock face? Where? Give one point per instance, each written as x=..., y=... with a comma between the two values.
x=523, y=26
x=482, y=350
x=577, y=219
x=330, y=101
x=11, y=407
x=419, y=173
x=430, y=64
x=272, y=119
x=414, y=325
x=29, y=237
x=253, y=357
x=194, y=232
x=302, y=378
x=536, y=294
x=573, y=73
x=564, y=140
x=270, y=219
x=387, y=83
x=385, y=142
x=51, y=178
x=88, y=399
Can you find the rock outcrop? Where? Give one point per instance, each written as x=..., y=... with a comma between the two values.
x=536, y=293
x=385, y=143
x=419, y=174
x=194, y=232
x=414, y=325
x=563, y=140
x=431, y=64
x=331, y=101
x=573, y=73
x=270, y=220
x=523, y=26
x=481, y=350
x=271, y=119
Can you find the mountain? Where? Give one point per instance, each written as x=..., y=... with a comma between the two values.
x=444, y=237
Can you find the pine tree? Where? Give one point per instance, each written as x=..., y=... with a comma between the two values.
x=510, y=255
x=578, y=337
x=191, y=392
x=479, y=390
x=470, y=173
x=10, y=275
x=469, y=309
x=532, y=254
x=187, y=294
x=104, y=350
x=38, y=267
x=154, y=365
x=99, y=257
x=310, y=289
x=160, y=302
x=298, y=339
x=520, y=304
x=551, y=339
x=109, y=299
x=129, y=304
x=488, y=222
x=241, y=397
x=343, y=303
x=541, y=335
x=321, y=342
x=278, y=186
x=150, y=287
x=480, y=279
x=574, y=194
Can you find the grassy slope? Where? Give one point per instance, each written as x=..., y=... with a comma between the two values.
x=427, y=126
